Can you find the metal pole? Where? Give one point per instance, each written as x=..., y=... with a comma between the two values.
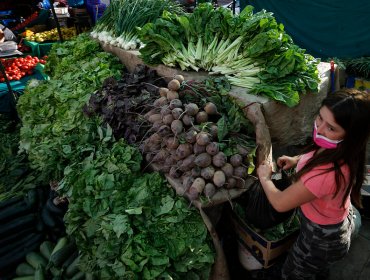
x=56, y=20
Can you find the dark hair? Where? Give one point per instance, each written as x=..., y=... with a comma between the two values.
x=351, y=110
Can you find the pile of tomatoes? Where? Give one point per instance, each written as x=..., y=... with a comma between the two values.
x=17, y=68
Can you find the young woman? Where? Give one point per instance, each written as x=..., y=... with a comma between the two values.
x=328, y=177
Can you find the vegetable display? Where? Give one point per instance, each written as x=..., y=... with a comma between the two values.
x=251, y=49
x=17, y=68
x=50, y=35
x=118, y=24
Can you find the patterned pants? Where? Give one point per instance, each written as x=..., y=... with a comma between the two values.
x=317, y=247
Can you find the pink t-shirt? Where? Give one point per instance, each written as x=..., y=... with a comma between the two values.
x=324, y=210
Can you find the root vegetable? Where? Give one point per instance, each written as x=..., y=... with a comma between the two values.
x=175, y=172
x=219, y=178
x=160, y=101
x=177, y=126
x=180, y=78
x=219, y=159
x=228, y=169
x=161, y=156
x=157, y=125
x=170, y=160
x=207, y=172
x=211, y=109
x=196, y=188
x=187, y=181
x=175, y=103
x=236, y=160
x=201, y=117
x=240, y=172
x=164, y=130
x=195, y=172
x=171, y=95
x=163, y=91
x=174, y=85
x=155, y=139
x=184, y=150
x=212, y=148
x=209, y=190
x=165, y=110
x=172, y=143
x=165, y=168
x=187, y=120
x=150, y=113
x=213, y=130
x=243, y=151
x=198, y=149
x=203, y=139
x=167, y=119
x=203, y=160
x=230, y=183
x=149, y=157
x=187, y=164
x=191, y=109
x=176, y=113
x=190, y=136
x=155, y=118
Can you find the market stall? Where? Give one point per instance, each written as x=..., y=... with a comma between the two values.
x=132, y=163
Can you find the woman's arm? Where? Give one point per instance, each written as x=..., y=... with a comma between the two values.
x=282, y=201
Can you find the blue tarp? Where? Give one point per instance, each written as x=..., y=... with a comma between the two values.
x=325, y=28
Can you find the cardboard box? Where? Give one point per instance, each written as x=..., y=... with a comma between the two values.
x=61, y=11
x=265, y=251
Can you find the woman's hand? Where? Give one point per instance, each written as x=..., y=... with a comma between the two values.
x=264, y=171
x=286, y=162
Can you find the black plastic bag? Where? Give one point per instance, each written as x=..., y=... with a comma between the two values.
x=258, y=210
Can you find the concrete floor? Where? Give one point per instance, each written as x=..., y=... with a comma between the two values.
x=356, y=265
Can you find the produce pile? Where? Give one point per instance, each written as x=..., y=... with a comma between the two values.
x=118, y=24
x=251, y=49
x=50, y=35
x=17, y=68
x=126, y=223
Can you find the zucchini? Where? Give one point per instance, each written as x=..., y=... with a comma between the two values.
x=60, y=256
x=15, y=225
x=69, y=260
x=13, y=237
x=8, y=202
x=31, y=198
x=63, y=241
x=56, y=272
x=53, y=208
x=15, y=210
x=24, y=269
x=36, y=259
x=78, y=276
x=73, y=268
x=39, y=273
x=21, y=243
x=47, y=218
x=46, y=248
x=24, y=278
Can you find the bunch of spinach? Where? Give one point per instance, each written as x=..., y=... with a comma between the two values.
x=130, y=225
x=54, y=131
x=251, y=49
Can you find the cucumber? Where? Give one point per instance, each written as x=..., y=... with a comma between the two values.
x=60, y=256
x=39, y=273
x=78, y=276
x=73, y=268
x=54, y=208
x=36, y=259
x=31, y=198
x=16, y=225
x=46, y=248
x=13, y=237
x=24, y=269
x=56, y=272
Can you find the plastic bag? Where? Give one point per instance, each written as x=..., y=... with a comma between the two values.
x=258, y=210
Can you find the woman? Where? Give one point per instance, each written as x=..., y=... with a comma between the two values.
x=328, y=177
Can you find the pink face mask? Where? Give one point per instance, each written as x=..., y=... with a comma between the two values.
x=323, y=141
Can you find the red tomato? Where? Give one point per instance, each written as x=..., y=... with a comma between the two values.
x=42, y=61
